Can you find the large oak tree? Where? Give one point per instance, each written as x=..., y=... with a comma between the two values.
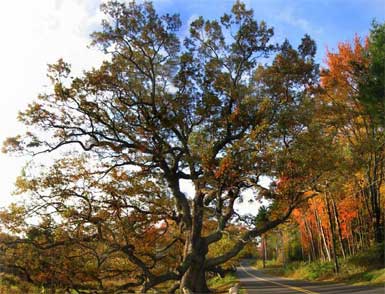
x=157, y=114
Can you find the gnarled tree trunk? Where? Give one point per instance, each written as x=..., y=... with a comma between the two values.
x=196, y=248
x=195, y=279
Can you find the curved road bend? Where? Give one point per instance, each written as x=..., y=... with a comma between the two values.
x=256, y=282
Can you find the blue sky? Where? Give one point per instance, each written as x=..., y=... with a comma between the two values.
x=328, y=21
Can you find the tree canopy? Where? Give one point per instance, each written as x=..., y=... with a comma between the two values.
x=210, y=110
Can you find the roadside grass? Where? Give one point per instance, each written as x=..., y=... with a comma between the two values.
x=366, y=268
x=222, y=285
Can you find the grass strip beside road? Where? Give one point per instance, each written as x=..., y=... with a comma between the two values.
x=302, y=290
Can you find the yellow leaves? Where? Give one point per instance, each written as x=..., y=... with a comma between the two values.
x=23, y=185
x=20, y=143
x=32, y=108
x=60, y=69
x=11, y=144
x=13, y=218
x=62, y=93
x=35, y=113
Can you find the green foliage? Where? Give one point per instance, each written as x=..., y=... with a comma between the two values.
x=371, y=258
x=262, y=216
x=317, y=270
x=372, y=85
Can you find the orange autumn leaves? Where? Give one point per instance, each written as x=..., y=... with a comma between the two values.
x=342, y=68
x=341, y=79
x=224, y=167
x=312, y=217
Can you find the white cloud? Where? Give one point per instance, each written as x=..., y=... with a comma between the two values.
x=34, y=34
x=288, y=16
x=186, y=26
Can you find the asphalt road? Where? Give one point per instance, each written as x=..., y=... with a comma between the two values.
x=256, y=282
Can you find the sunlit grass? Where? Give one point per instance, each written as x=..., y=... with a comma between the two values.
x=366, y=268
x=222, y=285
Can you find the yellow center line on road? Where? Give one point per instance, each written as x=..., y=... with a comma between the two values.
x=279, y=284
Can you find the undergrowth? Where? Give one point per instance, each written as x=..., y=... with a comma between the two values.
x=366, y=268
